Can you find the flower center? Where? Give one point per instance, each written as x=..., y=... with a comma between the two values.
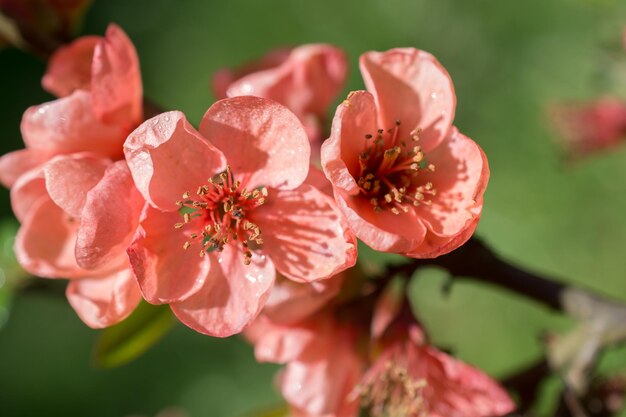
x=219, y=212
x=388, y=174
x=393, y=393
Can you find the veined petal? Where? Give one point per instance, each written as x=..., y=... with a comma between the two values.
x=70, y=177
x=104, y=300
x=69, y=125
x=165, y=271
x=232, y=296
x=460, y=178
x=116, y=80
x=434, y=246
x=382, y=231
x=69, y=68
x=304, y=234
x=17, y=163
x=262, y=140
x=355, y=118
x=411, y=86
x=167, y=157
x=109, y=218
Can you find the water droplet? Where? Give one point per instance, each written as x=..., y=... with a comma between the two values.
x=433, y=95
x=219, y=260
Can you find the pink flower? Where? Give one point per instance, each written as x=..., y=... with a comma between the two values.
x=99, y=83
x=323, y=364
x=413, y=379
x=590, y=127
x=306, y=79
x=404, y=177
x=78, y=214
x=227, y=208
x=77, y=207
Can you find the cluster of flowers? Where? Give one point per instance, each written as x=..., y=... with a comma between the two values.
x=237, y=229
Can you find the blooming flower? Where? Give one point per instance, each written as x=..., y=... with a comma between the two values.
x=404, y=177
x=99, y=82
x=412, y=378
x=305, y=79
x=323, y=364
x=78, y=207
x=227, y=208
x=591, y=127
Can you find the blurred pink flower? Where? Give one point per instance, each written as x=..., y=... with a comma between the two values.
x=99, y=82
x=77, y=207
x=590, y=127
x=413, y=379
x=306, y=79
x=210, y=248
x=323, y=362
x=404, y=177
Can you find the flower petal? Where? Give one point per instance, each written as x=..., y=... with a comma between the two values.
x=355, y=118
x=460, y=178
x=304, y=234
x=116, y=80
x=44, y=245
x=291, y=302
x=232, y=296
x=382, y=231
x=168, y=157
x=26, y=191
x=69, y=68
x=306, y=82
x=165, y=271
x=262, y=140
x=411, y=86
x=320, y=381
x=15, y=164
x=69, y=125
x=109, y=218
x=106, y=300
x=434, y=246
x=70, y=177
x=279, y=343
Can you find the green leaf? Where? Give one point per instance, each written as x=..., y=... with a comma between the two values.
x=278, y=411
x=129, y=339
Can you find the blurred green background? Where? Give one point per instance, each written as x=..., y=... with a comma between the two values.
x=509, y=61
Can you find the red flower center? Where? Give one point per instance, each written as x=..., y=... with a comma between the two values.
x=219, y=212
x=389, y=170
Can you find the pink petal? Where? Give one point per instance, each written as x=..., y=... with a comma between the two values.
x=388, y=307
x=44, y=245
x=14, y=164
x=223, y=78
x=109, y=219
x=70, y=177
x=320, y=381
x=263, y=141
x=304, y=234
x=291, y=302
x=460, y=179
x=106, y=300
x=355, y=118
x=317, y=179
x=232, y=296
x=69, y=68
x=69, y=125
x=411, y=86
x=382, y=231
x=279, y=343
x=455, y=389
x=116, y=81
x=26, y=191
x=434, y=246
x=306, y=82
x=168, y=157
x=165, y=271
